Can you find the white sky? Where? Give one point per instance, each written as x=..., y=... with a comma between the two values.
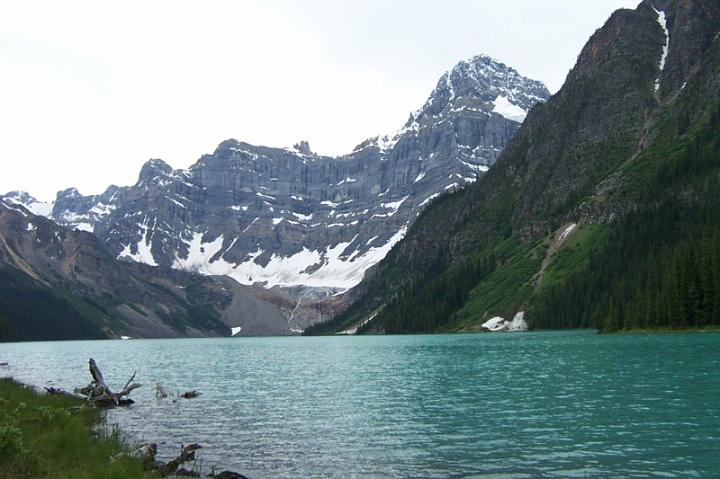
x=89, y=90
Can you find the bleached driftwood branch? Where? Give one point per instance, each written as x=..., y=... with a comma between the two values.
x=100, y=394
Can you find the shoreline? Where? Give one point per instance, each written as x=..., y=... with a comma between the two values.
x=694, y=330
x=706, y=329
x=62, y=435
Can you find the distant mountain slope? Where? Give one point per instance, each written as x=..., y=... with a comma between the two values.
x=62, y=284
x=626, y=151
x=289, y=217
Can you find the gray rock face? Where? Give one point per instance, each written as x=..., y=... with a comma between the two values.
x=289, y=217
x=92, y=295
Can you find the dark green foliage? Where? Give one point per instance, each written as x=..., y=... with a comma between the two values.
x=427, y=305
x=7, y=331
x=206, y=317
x=504, y=289
x=660, y=268
x=40, y=314
x=175, y=320
x=202, y=316
x=660, y=265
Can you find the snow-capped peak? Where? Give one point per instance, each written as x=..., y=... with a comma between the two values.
x=30, y=203
x=483, y=79
x=479, y=84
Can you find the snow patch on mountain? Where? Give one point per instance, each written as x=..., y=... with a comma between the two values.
x=143, y=252
x=34, y=206
x=85, y=227
x=429, y=199
x=332, y=267
x=101, y=209
x=301, y=216
x=393, y=206
x=662, y=20
x=566, y=232
x=498, y=324
x=199, y=254
x=503, y=106
x=480, y=168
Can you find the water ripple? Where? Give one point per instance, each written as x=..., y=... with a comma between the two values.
x=570, y=404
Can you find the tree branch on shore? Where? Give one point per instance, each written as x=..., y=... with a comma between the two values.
x=100, y=394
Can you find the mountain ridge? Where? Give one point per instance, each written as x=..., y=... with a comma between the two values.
x=296, y=229
x=569, y=168
x=290, y=210
x=64, y=284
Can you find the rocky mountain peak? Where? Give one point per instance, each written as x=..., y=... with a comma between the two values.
x=154, y=168
x=29, y=202
x=68, y=193
x=489, y=84
x=19, y=197
x=303, y=147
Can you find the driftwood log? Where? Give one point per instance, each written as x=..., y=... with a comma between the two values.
x=228, y=475
x=53, y=391
x=147, y=453
x=187, y=454
x=162, y=393
x=101, y=395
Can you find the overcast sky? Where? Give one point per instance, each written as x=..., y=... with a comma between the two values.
x=89, y=90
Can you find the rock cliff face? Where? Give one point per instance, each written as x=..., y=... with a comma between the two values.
x=288, y=217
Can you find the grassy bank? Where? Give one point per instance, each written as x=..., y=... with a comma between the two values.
x=54, y=436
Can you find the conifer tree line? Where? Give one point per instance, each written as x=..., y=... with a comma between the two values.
x=427, y=304
x=659, y=269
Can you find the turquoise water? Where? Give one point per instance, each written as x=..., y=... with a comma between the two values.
x=549, y=404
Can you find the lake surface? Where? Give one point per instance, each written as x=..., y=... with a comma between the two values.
x=546, y=404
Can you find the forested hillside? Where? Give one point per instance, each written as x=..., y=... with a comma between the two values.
x=603, y=210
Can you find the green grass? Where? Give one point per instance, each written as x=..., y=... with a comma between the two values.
x=505, y=290
x=57, y=437
x=574, y=254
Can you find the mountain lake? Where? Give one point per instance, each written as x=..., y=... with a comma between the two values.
x=522, y=405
